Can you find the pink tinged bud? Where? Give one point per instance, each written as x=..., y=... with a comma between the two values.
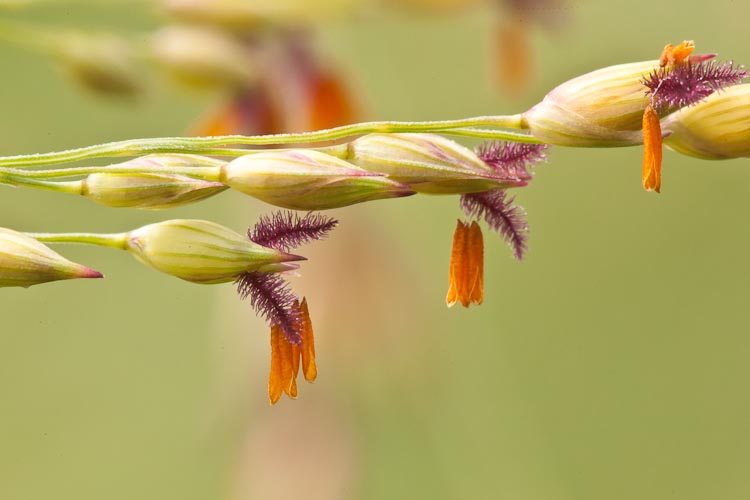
x=201, y=251
x=599, y=109
x=25, y=262
x=718, y=127
x=155, y=188
x=147, y=191
x=427, y=163
x=307, y=180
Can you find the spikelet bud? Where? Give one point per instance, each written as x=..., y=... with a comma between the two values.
x=201, y=251
x=427, y=163
x=202, y=57
x=307, y=180
x=154, y=190
x=101, y=62
x=25, y=262
x=600, y=109
x=717, y=127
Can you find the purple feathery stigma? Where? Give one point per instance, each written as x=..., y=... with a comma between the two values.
x=272, y=299
x=672, y=88
x=501, y=215
x=512, y=159
x=285, y=230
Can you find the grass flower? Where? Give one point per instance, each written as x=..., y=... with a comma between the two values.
x=513, y=161
x=427, y=163
x=603, y=108
x=286, y=357
x=623, y=105
x=24, y=262
x=147, y=191
x=718, y=127
x=201, y=251
x=307, y=180
x=681, y=80
x=291, y=328
x=206, y=253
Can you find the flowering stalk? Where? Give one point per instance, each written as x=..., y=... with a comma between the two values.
x=207, y=253
x=615, y=106
x=213, y=145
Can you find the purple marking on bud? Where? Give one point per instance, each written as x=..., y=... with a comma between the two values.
x=272, y=299
x=512, y=160
x=498, y=211
x=285, y=230
x=672, y=88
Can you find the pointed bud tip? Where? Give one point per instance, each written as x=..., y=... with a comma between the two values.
x=87, y=272
x=290, y=257
x=402, y=193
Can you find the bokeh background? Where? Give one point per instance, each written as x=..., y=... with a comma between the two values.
x=611, y=364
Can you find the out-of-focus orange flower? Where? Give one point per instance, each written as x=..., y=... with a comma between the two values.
x=513, y=50
x=297, y=94
x=329, y=102
x=248, y=112
x=466, y=275
x=514, y=54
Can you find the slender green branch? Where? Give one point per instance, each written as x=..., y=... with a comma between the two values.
x=88, y=3
x=72, y=187
x=210, y=145
x=112, y=240
x=499, y=135
x=204, y=173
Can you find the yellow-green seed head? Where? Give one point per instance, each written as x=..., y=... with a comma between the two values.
x=203, y=56
x=307, y=180
x=599, y=109
x=101, y=62
x=201, y=251
x=244, y=14
x=25, y=262
x=427, y=163
x=718, y=127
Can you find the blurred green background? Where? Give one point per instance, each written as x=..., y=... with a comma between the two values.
x=611, y=364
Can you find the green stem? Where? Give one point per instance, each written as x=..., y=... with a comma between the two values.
x=498, y=135
x=113, y=240
x=71, y=187
x=88, y=3
x=210, y=145
x=28, y=176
